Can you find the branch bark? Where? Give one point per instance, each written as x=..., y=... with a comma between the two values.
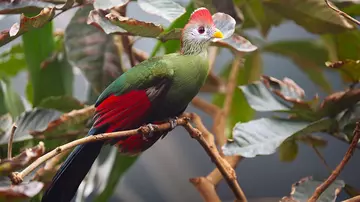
x=321, y=188
x=345, y=15
x=11, y=139
x=201, y=134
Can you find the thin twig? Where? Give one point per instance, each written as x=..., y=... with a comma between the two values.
x=205, y=106
x=206, y=189
x=11, y=139
x=100, y=137
x=128, y=49
x=321, y=188
x=354, y=199
x=318, y=153
x=221, y=138
x=345, y=15
x=224, y=167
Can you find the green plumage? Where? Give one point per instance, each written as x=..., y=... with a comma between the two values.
x=185, y=74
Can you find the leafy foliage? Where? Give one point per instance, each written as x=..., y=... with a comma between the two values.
x=303, y=189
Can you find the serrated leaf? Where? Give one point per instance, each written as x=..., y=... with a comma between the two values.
x=91, y=50
x=5, y=123
x=166, y=9
x=313, y=15
x=108, y=4
x=339, y=101
x=302, y=190
x=36, y=119
x=12, y=61
x=21, y=191
x=12, y=100
x=66, y=123
x=61, y=103
x=21, y=160
x=111, y=23
x=26, y=24
x=260, y=98
x=237, y=43
x=23, y=6
x=349, y=69
x=307, y=55
x=263, y=136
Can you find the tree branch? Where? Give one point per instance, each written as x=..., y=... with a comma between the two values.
x=224, y=167
x=11, y=139
x=201, y=134
x=320, y=189
x=145, y=130
x=345, y=15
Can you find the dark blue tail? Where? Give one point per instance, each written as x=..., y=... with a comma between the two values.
x=68, y=178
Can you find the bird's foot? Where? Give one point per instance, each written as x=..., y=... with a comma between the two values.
x=150, y=132
x=173, y=122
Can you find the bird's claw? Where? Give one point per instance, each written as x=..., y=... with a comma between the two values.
x=173, y=122
x=151, y=131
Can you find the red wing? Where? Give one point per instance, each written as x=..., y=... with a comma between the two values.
x=122, y=112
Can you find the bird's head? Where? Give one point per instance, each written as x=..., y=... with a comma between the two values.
x=198, y=32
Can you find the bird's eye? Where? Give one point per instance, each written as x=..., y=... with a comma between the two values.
x=201, y=30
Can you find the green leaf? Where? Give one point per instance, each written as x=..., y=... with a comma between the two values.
x=349, y=69
x=263, y=17
x=61, y=103
x=344, y=45
x=23, y=6
x=112, y=23
x=34, y=120
x=74, y=121
x=288, y=150
x=3, y=109
x=12, y=100
x=263, y=136
x=93, y=51
x=166, y=9
x=12, y=61
x=304, y=189
x=173, y=32
x=121, y=165
x=26, y=24
x=307, y=55
x=5, y=123
x=251, y=71
x=53, y=77
x=313, y=15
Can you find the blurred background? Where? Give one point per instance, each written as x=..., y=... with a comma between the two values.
x=162, y=173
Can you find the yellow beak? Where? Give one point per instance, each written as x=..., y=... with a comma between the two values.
x=218, y=34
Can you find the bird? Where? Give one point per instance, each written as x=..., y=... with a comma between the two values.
x=156, y=90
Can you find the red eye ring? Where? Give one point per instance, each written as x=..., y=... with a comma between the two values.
x=201, y=30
